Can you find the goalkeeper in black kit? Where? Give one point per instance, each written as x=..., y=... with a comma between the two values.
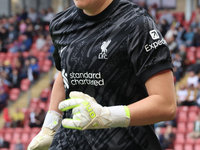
x=115, y=79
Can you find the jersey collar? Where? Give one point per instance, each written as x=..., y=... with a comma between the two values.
x=100, y=16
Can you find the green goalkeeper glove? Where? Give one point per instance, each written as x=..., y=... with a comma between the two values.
x=88, y=114
x=43, y=140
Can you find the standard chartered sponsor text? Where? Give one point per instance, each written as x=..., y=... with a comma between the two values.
x=86, y=79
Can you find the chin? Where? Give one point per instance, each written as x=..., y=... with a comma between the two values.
x=81, y=4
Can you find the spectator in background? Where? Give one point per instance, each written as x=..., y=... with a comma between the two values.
x=192, y=96
x=167, y=15
x=31, y=55
x=3, y=98
x=177, y=66
x=17, y=64
x=3, y=143
x=196, y=131
x=37, y=118
x=189, y=35
x=182, y=52
x=30, y=31
x=35, y=68
x=40, y=42
x=22, y=26
x=32, y=15
x=172, y=44
x=195, y=24
x=168, y=138
x=32, y=120
x=3, y=48
x=23, y=15
x=152, y=11
x=15, y=79
x=19, y=145
x=4, y=78
x=26, y=71
x=49, y=15
x=171, y=33
x=196, y=38
x=164, y=27
x=197, y=15
x=182, y=95
x=17, y=118
x=26, y=43
x=12, y=34
x=7, y=67
x=6, y=118
x=20, y=57
x=42, y=14
x=180, y=39
x=192, y=79
x=3, y=34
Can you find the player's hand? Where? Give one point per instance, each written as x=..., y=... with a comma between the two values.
x=43, y=140
x=88, y=114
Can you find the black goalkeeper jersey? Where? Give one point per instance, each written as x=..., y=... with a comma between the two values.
x=109, y=56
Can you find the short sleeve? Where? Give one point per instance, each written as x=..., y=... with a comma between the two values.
x=56, y=55
x=147, y=48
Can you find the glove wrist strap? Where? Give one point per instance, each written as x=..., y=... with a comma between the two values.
x=52, y=120
x=120, y=116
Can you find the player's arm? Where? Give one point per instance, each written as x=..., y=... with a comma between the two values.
x=160, y=105
x=58, y=93
x=53, y=118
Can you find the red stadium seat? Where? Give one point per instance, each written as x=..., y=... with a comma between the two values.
x=16, y=136
x=191, y=54
x=27, y=130
x=35, y=130
x=9, y=130
x=14, y=94
x=44, y=95
x=178, y=147
x=198, y=53
x=12, y=146
x=46, y=65
x=180, y=138
x=25, y=84
x=197, y=147
x=188, y=147
x=2, y=56
x=194, y=109
x=8, y=137
x=182, y=117
x=183, y=108
x=190, y=126
x=181, y=127
x=192, y=116
x=41, y=55
x=25, y=54
x=18, y=130
x=25, y=138
x=189, y=140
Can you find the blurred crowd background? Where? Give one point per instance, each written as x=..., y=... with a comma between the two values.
x=27, y=69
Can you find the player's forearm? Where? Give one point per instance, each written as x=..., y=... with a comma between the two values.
x=58, y=94
x=151, y=110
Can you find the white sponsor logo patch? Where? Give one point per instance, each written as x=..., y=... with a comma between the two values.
x=86, y=78
x=154, y=45
x=154, y=34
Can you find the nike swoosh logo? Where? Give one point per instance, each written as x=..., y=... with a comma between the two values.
x=62, y=49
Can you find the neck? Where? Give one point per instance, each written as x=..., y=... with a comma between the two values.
x=98, y=8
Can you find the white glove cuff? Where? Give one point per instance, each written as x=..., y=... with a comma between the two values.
x=52, y=120
x=120, y=116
